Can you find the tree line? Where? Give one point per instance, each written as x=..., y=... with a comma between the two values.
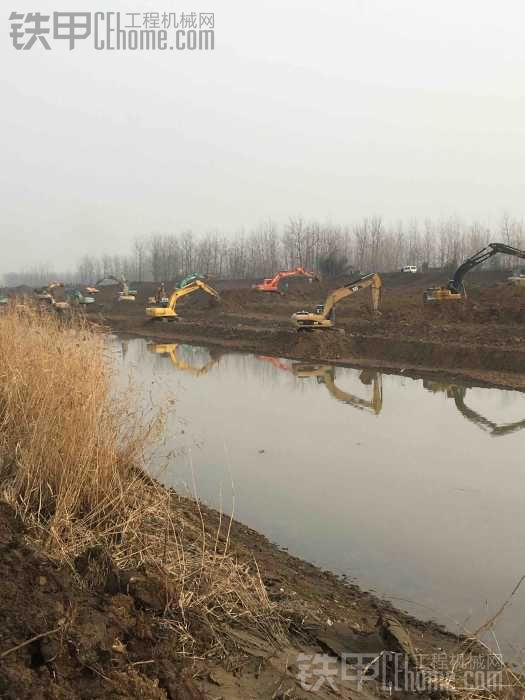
x=368, y=245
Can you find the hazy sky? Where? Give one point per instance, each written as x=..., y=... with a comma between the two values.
x=330, y=110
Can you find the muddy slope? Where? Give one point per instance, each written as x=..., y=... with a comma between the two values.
x=61, y=640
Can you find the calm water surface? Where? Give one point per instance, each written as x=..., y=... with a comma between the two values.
x=413, y=488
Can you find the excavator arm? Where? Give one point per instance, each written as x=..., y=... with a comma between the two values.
x=372, y=280
x=456, y=288
x=324, y=315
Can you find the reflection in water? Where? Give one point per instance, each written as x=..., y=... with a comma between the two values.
x=325, y=374
x=170, y=350
x=405, y=495
x=458, y=393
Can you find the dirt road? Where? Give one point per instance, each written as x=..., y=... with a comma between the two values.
x=482, y=339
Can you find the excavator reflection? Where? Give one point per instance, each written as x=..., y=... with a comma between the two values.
x=325, y=374
x=170, y=350
x=458, y=394
x=275, y=361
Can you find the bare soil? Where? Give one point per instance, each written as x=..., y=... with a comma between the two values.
x=482, y=338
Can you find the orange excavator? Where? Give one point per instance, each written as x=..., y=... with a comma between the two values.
x=271, y=284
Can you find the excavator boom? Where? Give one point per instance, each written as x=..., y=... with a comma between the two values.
x=455, y=289
x=324, y=315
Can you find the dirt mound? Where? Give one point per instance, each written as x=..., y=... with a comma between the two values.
x=321, y=344
x=57, y=641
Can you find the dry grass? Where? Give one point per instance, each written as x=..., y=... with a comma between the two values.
x=71, y=458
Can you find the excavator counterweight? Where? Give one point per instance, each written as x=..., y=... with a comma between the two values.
x=324, y=315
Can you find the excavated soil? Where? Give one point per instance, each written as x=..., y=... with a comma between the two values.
x=482, y=338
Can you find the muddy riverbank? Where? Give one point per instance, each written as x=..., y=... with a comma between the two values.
x=482, y=339
x=60, y=640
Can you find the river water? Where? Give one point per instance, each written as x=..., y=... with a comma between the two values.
x=412, y=488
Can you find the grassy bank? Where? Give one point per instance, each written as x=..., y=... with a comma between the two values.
x=72, y=466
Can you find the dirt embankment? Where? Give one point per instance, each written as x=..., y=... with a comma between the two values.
x=482, y=339
x=60, y=640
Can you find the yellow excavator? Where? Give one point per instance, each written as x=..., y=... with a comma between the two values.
x=166, y=312
x=455, y=289
x=324, y=315
x=325, y=374
x=170, y=349
x=457, y=394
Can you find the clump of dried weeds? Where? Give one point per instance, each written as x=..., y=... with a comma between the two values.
x=71, y=462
